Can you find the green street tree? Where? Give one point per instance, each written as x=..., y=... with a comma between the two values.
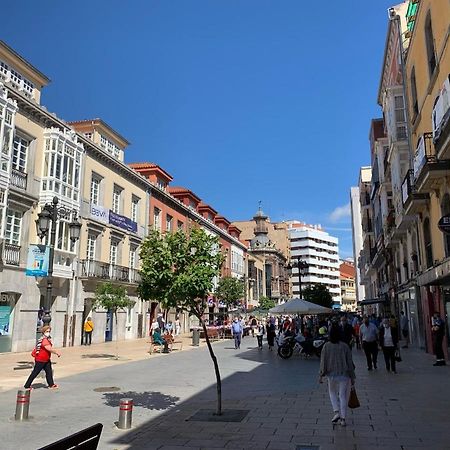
x=112, y=298
x=230, y=291
x=319, y=295
x=178, y=271
x=266, y=303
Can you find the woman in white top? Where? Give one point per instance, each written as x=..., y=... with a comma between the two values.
x=337, y=365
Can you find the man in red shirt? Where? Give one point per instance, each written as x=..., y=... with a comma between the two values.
x=42, y=354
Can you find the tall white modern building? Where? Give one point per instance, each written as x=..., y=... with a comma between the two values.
x=320, y=252
x=357, y=235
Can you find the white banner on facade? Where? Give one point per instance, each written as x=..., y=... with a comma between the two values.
x=100, y=214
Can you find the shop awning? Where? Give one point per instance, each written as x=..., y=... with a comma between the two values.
x=372, y=301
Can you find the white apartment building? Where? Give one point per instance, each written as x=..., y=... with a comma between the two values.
x=320, y=252
x=357, y=237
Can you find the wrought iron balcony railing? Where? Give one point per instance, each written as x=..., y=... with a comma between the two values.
x=106, y=271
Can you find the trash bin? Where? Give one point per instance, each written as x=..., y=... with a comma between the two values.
x=196, y=337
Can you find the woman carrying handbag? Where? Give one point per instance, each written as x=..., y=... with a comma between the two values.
x=337, y=365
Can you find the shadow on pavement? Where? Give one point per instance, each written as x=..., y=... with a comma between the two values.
x=248, y=390
x=99, y=355
x=148, y=400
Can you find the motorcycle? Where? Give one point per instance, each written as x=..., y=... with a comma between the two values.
x=288, y=344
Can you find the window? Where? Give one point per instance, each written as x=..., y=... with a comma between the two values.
x=88, y=135
x=13, y=226
x=157, y=218
x=429, y=42
x=132, y=258
x=169, y=222
x=113, y=252
x=161, y=184
x=399, y=109
x=427, y=243
x=91, y=244
x=415, y=104
x=95, y=189
x=134, y=208
x=62, y=163
x=117, y=193
x=180, y=225
x=20, y=150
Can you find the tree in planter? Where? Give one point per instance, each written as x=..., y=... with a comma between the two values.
x=266, y=303
x=319, y=295
x=112, y=298
x=178, y=271
x=230, y=291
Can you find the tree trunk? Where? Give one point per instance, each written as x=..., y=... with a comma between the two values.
x=117, y=335
x=216, y=368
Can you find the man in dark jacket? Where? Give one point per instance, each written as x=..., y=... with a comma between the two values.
x=346, y=330
x=438, y=329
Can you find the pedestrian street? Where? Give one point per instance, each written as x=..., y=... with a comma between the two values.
x=286, y=406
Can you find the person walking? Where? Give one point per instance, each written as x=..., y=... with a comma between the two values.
x=337, y=365
x=177, y=326
x=259, y=334
x=368, y=334
x=346, y=332
x=88, y=329
x=271, y=332
x=438, y=330
x=42, y=359
x=236, y=329
x=389, y=342
x=404, y=326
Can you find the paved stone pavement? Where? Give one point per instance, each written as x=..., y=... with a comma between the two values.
x=287, y=408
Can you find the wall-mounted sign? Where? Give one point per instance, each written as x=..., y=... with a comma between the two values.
x=444, y=224
x=122, y=222
x=106, y=216
x=100, y=214
x=37, y=261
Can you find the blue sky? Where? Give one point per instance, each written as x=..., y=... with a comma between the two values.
x=240, y=100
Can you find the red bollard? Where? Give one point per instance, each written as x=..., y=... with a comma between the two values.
x=125, y=413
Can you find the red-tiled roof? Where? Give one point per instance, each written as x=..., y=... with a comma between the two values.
x=183, y=190
x=203, y=205
x=347, y=270
x=143, y=166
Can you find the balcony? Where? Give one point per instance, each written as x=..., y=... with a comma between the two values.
x=10, y=254
x=441, y=121
x=19, y=179
x=428, y=169
x=365, y=200
x=413, y=202
x=108, y=272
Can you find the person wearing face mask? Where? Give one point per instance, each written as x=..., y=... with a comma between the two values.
x=368, y=334
x=42, y=354
x=389, y=342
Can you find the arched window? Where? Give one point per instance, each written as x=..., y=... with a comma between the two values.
x=445, y=210
x=427, y=242
x=429, y=42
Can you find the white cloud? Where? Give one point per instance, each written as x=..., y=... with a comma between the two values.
x=340, y=212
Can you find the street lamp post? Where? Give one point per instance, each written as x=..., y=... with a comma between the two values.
x=301, y=265
x=51, y=213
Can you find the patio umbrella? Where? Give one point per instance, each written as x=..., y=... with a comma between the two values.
x=300, y=306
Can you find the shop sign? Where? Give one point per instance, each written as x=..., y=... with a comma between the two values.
x=444, y=224
x=100, y=214
x=122, y=222
x=37, y=261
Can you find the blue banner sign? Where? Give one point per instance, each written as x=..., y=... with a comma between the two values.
x=37, y=261
x=122, y=222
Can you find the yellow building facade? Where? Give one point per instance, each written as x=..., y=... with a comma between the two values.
x=427, y=70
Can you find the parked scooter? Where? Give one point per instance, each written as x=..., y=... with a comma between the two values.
x=288, y=344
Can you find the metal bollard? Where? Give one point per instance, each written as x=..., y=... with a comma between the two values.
x=125, y=413
x=22, y=405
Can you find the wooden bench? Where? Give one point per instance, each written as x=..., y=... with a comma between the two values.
x=213, y=334
x=86, y=439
